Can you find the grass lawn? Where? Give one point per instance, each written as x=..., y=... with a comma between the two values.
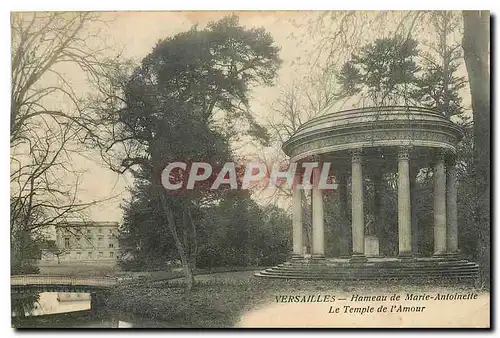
x=220, y=299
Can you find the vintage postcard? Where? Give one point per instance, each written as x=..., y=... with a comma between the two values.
x=249, y=169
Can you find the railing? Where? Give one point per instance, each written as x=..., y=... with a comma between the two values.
x=26, y=280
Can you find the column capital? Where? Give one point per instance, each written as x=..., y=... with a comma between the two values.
x=440, y=155
x=404, y=152
x=312, y=158
x=356, y=155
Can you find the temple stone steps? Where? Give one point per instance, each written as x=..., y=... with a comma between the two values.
x=418, y=269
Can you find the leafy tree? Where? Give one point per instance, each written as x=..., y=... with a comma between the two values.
x=185, y=101
x=22, y=305
x=238, y=232
x=382, y=72
x=439, y=86
x=233, y=232
x=24, y=252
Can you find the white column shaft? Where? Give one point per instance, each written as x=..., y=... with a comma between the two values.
x=439, y=207
x=318, y=235
x=297, y=222
x=358, y=221
x=404, y=204
x=451, y=206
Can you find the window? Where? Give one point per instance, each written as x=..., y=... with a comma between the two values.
x=100, y=253
x=111, y=254
x=100, y=238
x=78, y=239
x=90, y=254
x=66, y=242
x=100, y=231
x=110, y=245
x=78, y=255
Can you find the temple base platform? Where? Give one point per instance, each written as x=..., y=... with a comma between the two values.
x=445, y=268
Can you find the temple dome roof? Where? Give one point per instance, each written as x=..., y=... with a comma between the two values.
x=370, y=127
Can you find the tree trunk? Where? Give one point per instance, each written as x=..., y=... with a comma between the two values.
x=193, y=251
x=475, y=44
x=186, y=267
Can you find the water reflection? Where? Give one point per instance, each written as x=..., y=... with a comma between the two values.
x=61, y=302
x=59, y=309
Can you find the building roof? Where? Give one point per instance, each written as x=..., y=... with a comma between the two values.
x=87, y=224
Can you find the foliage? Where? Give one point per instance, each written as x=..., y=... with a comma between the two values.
x=439, y=86
x=24, y=304
x=239, y=233
x=25, y=251
x=383, y=72
x=186, y=101
x=234, y=232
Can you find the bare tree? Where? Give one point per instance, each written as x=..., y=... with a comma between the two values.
x=297, y=104
x=49, y=53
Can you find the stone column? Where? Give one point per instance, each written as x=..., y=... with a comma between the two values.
x=345, y=230
x=451, y=206
x=414, y=169
x=439, y=205
x=404, y=205
x=318, y=230
x=358, y=219
x=297, y=220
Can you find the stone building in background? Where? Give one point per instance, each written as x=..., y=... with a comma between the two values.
x=79, y=244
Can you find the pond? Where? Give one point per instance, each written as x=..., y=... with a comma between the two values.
x=63, y=309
